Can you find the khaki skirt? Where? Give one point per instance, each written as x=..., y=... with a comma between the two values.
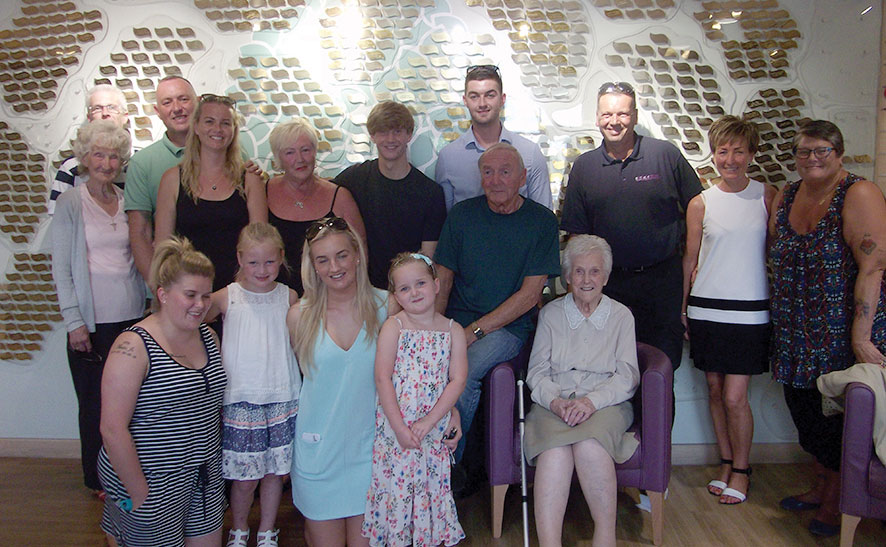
x=545, y=430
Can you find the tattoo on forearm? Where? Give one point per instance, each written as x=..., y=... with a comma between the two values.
x=862, y=308
x=124, y=348
x=867, y=245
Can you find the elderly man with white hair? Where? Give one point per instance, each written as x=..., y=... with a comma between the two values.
x=103, y=102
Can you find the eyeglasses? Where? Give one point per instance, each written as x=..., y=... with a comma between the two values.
x=336, y=223
x=820, y=153
x=110, y=108
x=213, y=98
x=616, y=87
x=482, y=68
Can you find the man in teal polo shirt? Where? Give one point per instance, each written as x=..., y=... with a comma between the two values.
x=175, y=104
x=495, y=253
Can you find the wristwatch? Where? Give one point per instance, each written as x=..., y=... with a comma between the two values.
x=478, y=332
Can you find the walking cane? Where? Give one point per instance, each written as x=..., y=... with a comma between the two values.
x=523, y=489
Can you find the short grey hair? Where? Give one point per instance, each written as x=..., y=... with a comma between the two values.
x=119, y=96
x=104, y=134
x=502, y=146
x=580, y=245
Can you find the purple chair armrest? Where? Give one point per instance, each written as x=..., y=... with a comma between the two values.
x=656, y=392
x=501, y=392
x=858, y=452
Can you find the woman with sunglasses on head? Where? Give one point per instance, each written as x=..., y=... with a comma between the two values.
x=299, y=197
x=827, y=303
x=210, y=196
x=334, y=330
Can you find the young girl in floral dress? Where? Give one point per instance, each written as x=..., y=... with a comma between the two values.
x=420, y=371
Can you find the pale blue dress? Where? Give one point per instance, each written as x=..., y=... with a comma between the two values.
x=332, y=463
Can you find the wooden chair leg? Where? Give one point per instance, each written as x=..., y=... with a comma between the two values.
x=847, y=529
x=498, y=507
x=656, y=500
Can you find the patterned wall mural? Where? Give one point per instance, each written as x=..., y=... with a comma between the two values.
x=330, y=61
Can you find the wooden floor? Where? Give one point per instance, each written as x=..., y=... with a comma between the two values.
x=42, y=503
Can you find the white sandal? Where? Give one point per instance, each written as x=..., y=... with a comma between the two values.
x=237, y=538
x=267, y=538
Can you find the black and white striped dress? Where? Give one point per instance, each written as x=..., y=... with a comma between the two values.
x=176, y=429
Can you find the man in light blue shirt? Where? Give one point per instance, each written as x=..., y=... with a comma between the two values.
x=457, y=170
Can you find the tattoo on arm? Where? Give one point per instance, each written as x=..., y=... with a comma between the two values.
x=867, y=245
x=124, y=348
x=862, y=308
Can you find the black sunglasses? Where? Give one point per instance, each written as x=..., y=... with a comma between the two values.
x=616, y=87
x=336, y=223
x=213, y=98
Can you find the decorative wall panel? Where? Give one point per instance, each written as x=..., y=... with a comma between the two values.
x=778, y=62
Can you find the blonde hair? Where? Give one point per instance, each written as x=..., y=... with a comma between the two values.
x=403, y=259
x=285, y=134
x=190, y=164
x=174, y=258
x=314, y=300
x=257, y=233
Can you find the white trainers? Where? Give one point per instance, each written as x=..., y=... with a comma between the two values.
x=237, y=538
x=267, y=538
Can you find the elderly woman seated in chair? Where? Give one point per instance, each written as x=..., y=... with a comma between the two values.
x=582, y=373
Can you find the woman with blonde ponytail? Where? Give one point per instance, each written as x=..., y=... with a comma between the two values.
x=161, y=398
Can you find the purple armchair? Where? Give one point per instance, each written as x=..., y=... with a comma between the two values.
x=650, y=466
x=862, y=474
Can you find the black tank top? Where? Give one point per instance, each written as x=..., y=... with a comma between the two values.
x=213, y=227
x=293, y=233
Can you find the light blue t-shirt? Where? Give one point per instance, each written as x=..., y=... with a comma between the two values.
x=459, y=175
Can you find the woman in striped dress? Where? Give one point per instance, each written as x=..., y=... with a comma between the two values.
x=161, y=399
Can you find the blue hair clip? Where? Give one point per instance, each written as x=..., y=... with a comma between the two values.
x=419, y=256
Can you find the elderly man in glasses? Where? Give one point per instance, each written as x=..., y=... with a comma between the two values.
x=457, y=169
x=632, y=190
x=103, y=102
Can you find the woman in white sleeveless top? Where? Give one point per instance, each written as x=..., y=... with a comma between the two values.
x=726, y=312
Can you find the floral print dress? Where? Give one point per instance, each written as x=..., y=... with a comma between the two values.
x=410, y=497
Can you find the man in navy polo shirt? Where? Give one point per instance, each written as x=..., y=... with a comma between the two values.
x=633, y=191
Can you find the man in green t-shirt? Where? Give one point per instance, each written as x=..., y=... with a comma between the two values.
x=494, y=256
x=175, y=104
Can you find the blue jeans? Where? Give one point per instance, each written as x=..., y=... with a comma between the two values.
x=494, y=348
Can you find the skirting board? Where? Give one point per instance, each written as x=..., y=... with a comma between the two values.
x=40, y=448
x=708, y=454
x=681, y=454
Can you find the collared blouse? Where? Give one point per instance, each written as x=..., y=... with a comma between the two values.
x=574, y=356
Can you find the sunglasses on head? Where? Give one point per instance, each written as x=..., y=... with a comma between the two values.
x=336, y=223
x=213, y=98
x=483, y=68
x=616, y=87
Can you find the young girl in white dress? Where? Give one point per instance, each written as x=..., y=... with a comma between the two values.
x=420, y=370
x=261, y=399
